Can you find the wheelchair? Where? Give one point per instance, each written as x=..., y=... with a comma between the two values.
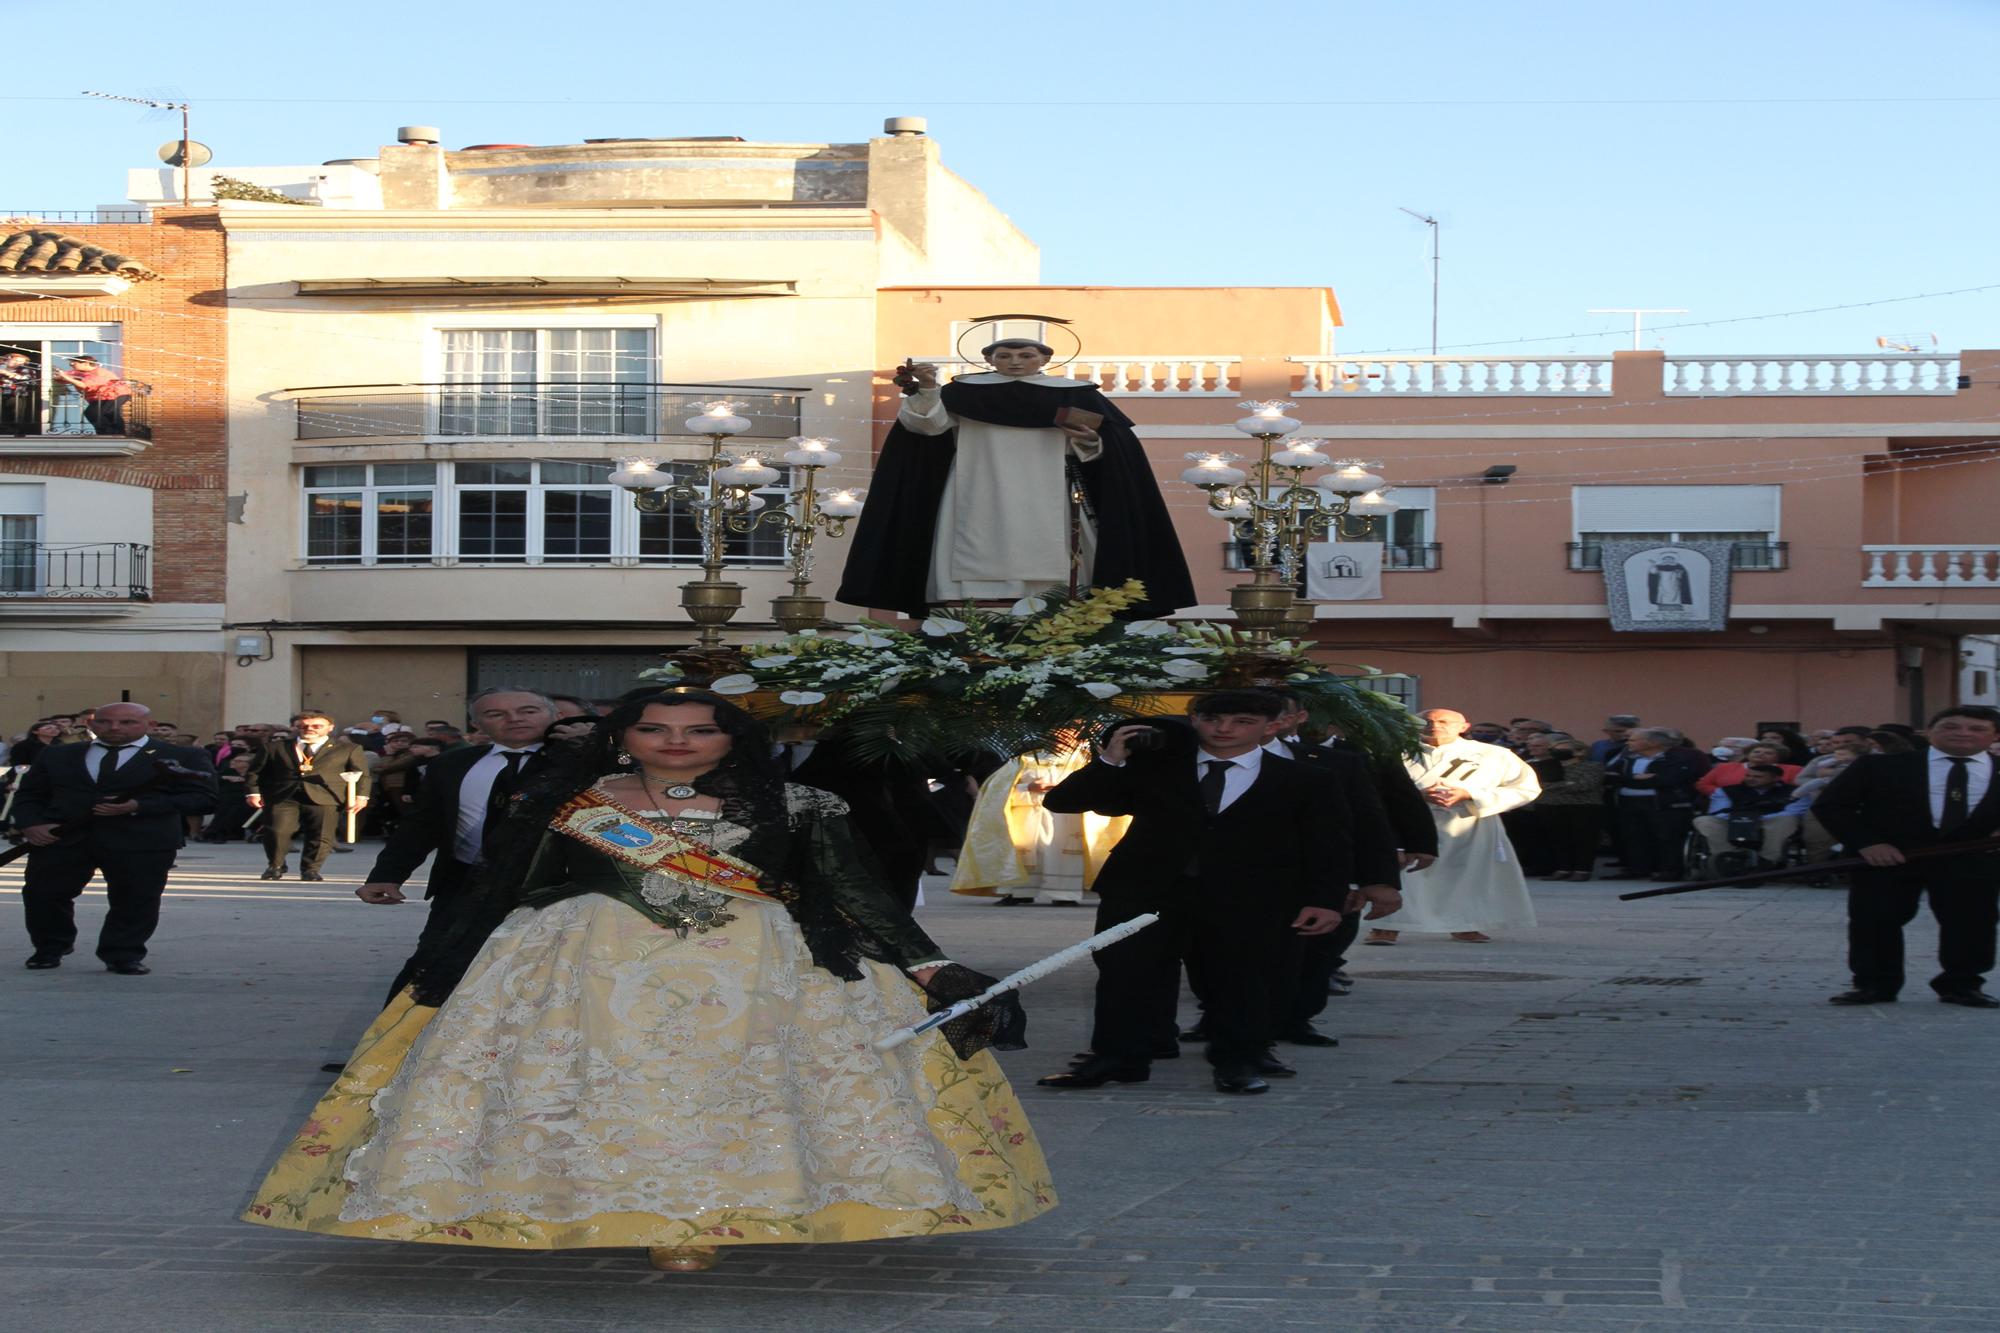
x=1746, y=841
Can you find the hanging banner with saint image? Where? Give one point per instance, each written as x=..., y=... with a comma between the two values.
x=1344, y=572
x=1682, y=587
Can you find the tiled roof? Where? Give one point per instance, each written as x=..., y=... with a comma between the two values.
x=27, y=248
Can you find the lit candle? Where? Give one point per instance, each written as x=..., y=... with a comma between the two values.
x=637, y=474
x=1212, y=470
x=811, y=451
x=1302, y=454
x=748, y=471
x=843, y=503
x=717, y=418
x=1267, y=418
x=1351, y=478
x=1373, y=505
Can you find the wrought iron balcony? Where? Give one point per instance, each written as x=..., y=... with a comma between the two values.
x=534, y=411
x=1744, y=557
x=1411, y=557
x=94, y=571
x=66, y=416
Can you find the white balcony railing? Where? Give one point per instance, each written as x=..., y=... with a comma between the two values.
x=1138, y=376
x=1931, y=567
x=1457, y=376
x=1797, y=376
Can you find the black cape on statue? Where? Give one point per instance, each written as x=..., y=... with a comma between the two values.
x=889, y=561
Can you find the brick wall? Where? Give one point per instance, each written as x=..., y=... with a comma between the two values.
x=176, y=339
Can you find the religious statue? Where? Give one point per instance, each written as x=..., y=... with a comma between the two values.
x=1007, y=484
x=1668, y=588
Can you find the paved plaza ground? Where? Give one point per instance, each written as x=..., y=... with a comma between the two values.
x=1640, y=1116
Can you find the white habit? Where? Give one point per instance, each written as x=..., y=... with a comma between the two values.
x=1003, y=522
x=1476, y=882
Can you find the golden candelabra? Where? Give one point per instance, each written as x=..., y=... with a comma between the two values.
x=1277, y=515
x=723, y=496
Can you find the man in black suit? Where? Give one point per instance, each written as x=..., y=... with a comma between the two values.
x=118, y=807
x=1884, y=805
x=1241, y=857
x=1654, y=805
x=1393, y=832
x=297, y=784
x=462, y=798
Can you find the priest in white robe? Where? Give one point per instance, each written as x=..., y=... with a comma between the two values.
x=1475, y=885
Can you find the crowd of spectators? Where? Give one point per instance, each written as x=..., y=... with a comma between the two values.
x=1636, y=792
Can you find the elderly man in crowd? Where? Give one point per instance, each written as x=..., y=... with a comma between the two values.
x=1654, y=779
x=1476, y=882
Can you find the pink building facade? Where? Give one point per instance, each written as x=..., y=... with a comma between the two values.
x=1857, y=495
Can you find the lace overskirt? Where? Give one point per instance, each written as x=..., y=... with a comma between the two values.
x=597, y=1080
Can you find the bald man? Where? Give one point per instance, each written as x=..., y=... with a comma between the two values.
x=116, y=807
x=1475, y=885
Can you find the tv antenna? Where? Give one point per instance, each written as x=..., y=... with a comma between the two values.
x=1912, y=343
x=187, y=144
x=1432, y=223
x=1638, y=314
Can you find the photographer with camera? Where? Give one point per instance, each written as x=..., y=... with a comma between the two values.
x=1242, y=858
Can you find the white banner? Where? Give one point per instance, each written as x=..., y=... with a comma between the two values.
x=1344, y=572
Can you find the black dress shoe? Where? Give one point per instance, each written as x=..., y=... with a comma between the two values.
x=1199, y=1032
x=1241, y=1080
x=1859, y=996
x=1971, y=999
x=279, y=873
x=1171, y=1053
x=1096, y=1072
x=128, y=969
x=42, y=958
x=1308, y=1036
x=312, y=877
x=1270, y=1066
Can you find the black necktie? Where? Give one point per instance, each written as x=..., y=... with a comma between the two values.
x=505, y=783
x=1957, y=794
x=1212, y=783
x=109, y=763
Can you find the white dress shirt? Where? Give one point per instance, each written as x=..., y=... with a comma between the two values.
x=1978, y=777
x=1242, y=772
x=1640, y=763
x=94, y=761
x=474, y=793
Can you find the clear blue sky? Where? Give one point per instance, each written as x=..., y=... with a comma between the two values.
x=1734, y=158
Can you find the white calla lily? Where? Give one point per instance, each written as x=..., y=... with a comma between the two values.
x=1184, y=669
x=1027, y=606
x=781, y=659
x=741, y=683
x=939, y=626
x=1102, y=689
x=866, y=639
x=1148, y=629
x=800, y=698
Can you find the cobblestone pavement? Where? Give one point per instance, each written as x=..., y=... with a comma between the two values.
x=1640, y=1116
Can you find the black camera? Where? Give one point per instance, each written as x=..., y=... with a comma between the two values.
x=1144, y=740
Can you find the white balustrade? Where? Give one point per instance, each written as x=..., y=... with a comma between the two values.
x=1134, y=376
x=1457, y=376
x=1795, y=376
x=1929, y=566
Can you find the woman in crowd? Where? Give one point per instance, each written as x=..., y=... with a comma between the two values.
x=1572, y=806
x=39, y=738
x=657, y=1029
x=1731, y=773
x=1796, y=749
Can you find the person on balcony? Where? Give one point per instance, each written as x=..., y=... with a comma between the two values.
x=20, y=394
x=104, y=394
x=972, y=495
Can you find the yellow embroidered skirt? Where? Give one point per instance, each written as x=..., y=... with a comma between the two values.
x=597, y=1081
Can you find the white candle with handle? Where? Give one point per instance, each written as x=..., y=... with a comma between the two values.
x=1015, y=980
x=350, y=779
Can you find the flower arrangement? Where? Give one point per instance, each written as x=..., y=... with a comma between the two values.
x=1037, y=676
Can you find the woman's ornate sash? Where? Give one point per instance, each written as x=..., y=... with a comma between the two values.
x=687, y=886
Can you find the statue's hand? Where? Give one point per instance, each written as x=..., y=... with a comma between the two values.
x=912, y=377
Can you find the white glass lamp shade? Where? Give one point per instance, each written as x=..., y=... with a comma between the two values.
x=639, y=474
x=1301, y=453
x=1267, y=418
x=1373, y=505
x=717, y=418
x=1351, y=479
x=843, y=503
x=1212, y=470
x=811, y=451
x=750, y=472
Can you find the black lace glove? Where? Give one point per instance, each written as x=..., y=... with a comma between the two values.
x=1001, y=1023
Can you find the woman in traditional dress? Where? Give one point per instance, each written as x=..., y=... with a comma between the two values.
x=656, y=1028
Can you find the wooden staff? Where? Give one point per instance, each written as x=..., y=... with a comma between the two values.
x=350, y=779
x=1990, y=843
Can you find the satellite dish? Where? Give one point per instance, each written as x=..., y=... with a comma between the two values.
x=198, y=154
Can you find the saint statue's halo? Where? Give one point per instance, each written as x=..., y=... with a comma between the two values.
x=985, y=330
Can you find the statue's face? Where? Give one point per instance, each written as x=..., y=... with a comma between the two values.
x=1019, y=360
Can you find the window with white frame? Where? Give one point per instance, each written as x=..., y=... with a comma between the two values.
x=1745, y=515
x=546, y=381
x=21, y=508
x=504, y=512
x=53, y=407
